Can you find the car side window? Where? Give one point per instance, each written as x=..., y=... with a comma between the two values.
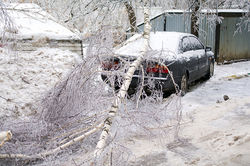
x=186, y=46
x=195, y=43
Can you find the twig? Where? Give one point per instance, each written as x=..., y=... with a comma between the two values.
x=77, y=121
x=169, y=126
x=140, y=92
x=5, y=98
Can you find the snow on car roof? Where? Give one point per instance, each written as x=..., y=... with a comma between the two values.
x=32, y=21
x=167, y=41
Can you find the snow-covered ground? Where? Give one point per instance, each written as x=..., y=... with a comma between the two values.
x=214, y=132
x=25, y=77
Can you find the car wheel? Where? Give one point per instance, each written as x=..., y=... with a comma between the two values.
x=211, y=70
x=184, y=84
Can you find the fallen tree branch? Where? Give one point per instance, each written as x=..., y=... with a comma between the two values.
x=75, y=133
x=77, y=130
x=53, y=151
x=123, y=90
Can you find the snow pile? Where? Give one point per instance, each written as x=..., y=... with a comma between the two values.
x=25, y=77
x=32, y=22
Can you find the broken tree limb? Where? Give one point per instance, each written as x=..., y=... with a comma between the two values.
x=77, y=132
x=53, y=151
x=123, y=90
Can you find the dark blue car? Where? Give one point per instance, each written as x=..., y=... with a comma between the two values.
x=182, y=54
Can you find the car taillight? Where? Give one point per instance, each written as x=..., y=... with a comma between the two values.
x=157, y=69
x=108, y=65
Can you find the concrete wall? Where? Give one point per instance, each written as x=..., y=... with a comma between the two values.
x=31, y=45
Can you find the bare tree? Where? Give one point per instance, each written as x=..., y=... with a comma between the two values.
x=131, y=16
x=195, y=6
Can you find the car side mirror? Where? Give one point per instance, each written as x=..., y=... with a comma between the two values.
x=208, y=48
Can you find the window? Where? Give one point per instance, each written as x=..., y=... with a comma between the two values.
x=191, y=43
x=186, y=46
x=195, y=43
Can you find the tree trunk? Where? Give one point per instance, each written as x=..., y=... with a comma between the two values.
x=127, y=80
x=194, y=18
x=131, y=17
x=175, y=4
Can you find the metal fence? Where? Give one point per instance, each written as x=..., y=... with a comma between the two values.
x=230, y=45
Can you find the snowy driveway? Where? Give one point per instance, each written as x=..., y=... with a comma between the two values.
x=220, y=131
x=213, y=131
x=232, y=80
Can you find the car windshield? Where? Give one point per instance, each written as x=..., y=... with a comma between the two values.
x=167, y=41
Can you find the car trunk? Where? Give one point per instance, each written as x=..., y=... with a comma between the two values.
x=151, y=68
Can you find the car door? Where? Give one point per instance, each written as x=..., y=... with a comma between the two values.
x=199, y=50
x=190, y=58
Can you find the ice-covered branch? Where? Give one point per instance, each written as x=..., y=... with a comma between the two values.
x=50, y=152
x=123, y=90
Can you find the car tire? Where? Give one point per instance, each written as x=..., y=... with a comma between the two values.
x=184, y=85
x=210, y=71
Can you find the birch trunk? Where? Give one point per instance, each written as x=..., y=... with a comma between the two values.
x=194, y=18
x=127, y=80
x=131, y=17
